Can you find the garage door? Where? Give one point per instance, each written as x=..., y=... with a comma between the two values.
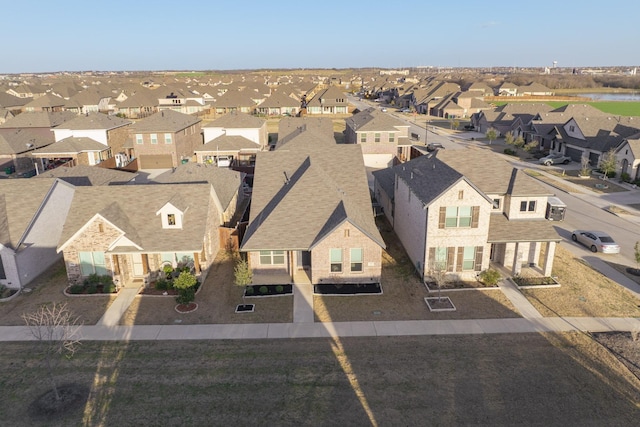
x=575, y=154
x=378, y=161
x=155, y=161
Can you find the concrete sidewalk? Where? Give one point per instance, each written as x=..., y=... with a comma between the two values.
x=338, y=329
x=118, y=307
x=519, y=301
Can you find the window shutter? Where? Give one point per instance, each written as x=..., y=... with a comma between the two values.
x=460, y=258
x=443, y=216
x=116, y=264
x=475, y=214
x=450, y=258
x=479, y=258
x=432, y=257
x=145, y=263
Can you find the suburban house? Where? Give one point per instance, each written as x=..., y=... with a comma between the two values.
x=32, y=213
x=329, y=101
x=81, y=176
x=507, y=89
x=279, y=104
x=238, y=124
x=311, y=218
x=382, y=137
x=234, y=100
x=137, y=106
x=178, y=100
x=628, y=157
x=452, y=215
x=48, y=102
x=131, y=231
x=71, y=151
x=110, y=131
x=164, y=139
x=227, y=187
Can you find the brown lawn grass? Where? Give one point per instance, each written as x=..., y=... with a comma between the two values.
x=48, y=289
x=503, y=379
x=584, y=292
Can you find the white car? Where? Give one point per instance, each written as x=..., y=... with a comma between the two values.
x=596, y=241
x=555, y=158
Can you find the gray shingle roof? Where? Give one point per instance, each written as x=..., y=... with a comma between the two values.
x=94, y=121
x=372, y=119
x=236, y=120
x=165, y=121
x=225, y=182
x=72, y=145
x=133, y=209
x=82, y=175
x=42, y=119
x=19, y=201
x=503, y=230
x=303, y=191
x=228, y=143
x=16, y=141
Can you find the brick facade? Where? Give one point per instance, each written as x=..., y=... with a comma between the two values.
x=183, y=144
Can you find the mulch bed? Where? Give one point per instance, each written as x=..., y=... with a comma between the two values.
x=267, y=290
x=433, y=286
x=347, y=289
x=440, y=304
x=245, y=308
x=534, y=281
x=186, y=308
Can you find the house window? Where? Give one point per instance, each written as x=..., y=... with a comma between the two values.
x=272, y=257
x=460, y=194
x=138, y=139
x=529, y=206
x=392, y=137
x=154, y=138
x=171, y=219
x=168, y=138
x=346, y=232
x=469, y=258
x=458, y=216
x=356, y=259
x=336, y=260
x=376, y=137
x=439, y=259
x=101, y=228
x=92, y=262
x=496, y=203
x=572, y=128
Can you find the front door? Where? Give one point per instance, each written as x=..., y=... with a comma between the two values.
x=138, y=267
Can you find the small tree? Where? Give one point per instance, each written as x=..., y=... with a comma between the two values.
x=243, y=276
x=585, y=170
x=530, y=146
x=185, y=284
x=509, y=138
x=438, y=272
x=56, y=330
x=608, y=164
x=519, y=142
x=454, y=123
x=491, y=135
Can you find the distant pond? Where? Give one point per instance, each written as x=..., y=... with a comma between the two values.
x=630, y=96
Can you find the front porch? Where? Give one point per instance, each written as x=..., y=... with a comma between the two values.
x=519, y=258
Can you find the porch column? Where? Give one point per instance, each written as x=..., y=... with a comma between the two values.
x=548, y=258
x=517, y=260
x=534, y=253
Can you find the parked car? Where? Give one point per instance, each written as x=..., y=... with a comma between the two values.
x=469, y=127
x=596, y=241
x=554, y=159
x=405, y=110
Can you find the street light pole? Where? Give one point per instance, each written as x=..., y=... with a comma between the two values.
x=426, y=133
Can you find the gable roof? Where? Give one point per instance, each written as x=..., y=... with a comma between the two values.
x=132, y=208
x=72, y=145
x=279, y=99
x=165, y=121
x=82, y=175
x=40, y=119
x=228, y=143
x=373, y=119
x=97, y=121
x=19, y=201
x=303, y=191
x=236, y=120
x=17, y=141
x=225, y=182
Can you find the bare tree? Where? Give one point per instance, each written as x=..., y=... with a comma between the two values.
x=57, y=331
x=608, y=163
x=491, y=135
x=438, y=273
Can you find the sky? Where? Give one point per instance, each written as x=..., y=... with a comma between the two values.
x=143, y=35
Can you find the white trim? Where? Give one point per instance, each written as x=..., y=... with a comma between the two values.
x=84, y=227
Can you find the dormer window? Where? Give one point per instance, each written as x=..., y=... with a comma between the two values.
x=171, y=216
x=171, y=219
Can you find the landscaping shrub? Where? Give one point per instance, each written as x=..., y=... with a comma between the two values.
x=263, y=289
x=489, y=277
x=185, y=296
x=163, y=285
x=625, y=177
x=76, y=289
x=249, y=290
x=92, y=289
x=279, y=288
x=108, y=289
x=509, y=152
